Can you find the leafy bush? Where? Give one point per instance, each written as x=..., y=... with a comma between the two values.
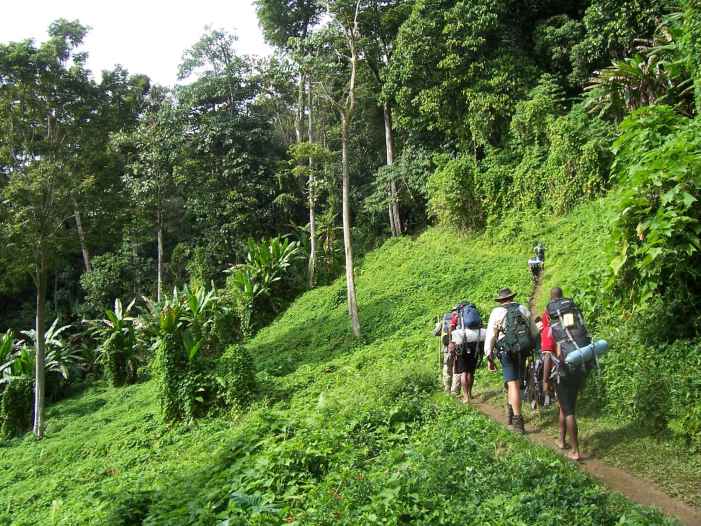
x=656, y=232
x=187, y=347
x=453, y=196
x=237, y=375
x=16, y=407
x=119, y=350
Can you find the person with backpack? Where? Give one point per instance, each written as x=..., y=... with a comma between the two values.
x=466, y=325
x=510, y=336
x=451, y=383
x=570, y=334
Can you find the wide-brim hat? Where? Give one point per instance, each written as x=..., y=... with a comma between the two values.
x=505, y=294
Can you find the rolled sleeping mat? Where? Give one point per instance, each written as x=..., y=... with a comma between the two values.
x=460, y=336
x=584, y=354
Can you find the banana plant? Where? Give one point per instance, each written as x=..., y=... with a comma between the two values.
x=119, y=351
x=15, y=361
x=59, y=357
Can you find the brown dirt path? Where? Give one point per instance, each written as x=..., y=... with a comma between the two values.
x=641, y=491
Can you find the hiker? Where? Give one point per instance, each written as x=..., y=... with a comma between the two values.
x=451, y=384
x=537, y=262
x=510, y=336
x=539, y=251
x=466, y=326
x=569, y=334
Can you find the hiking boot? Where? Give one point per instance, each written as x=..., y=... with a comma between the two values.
x=518, y=424
x=509, y=414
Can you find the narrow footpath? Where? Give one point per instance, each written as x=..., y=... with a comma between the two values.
x=641, y=491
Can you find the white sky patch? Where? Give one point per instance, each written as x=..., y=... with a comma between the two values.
x=146, y=36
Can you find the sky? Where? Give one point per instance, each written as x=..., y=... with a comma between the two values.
x=146, y=36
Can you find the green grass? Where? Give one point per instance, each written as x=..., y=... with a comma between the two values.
x=344, y=432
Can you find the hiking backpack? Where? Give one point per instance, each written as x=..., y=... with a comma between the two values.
x=469, y=317
x=567, y=324
x=517, y=339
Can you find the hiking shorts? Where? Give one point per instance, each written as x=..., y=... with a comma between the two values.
x=465, y=363
x=567, y=389
x=512, y=367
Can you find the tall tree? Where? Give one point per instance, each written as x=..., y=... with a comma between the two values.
x=153, y=149
x=286, y=24
x=42, y=98
x=379, y=23
x=343, y=39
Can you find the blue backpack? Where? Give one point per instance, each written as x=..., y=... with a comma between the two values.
x=469, y=316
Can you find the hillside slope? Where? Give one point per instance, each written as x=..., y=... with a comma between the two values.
x=344, y=432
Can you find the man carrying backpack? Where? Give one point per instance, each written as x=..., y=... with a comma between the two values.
x=510, y=336
x=451, y=384
x=570, y=333
x=467, y=324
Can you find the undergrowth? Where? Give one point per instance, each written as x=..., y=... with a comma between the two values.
x=342, y=431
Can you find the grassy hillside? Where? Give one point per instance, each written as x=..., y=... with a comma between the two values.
x=344, y=432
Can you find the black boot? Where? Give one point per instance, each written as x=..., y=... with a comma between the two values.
x=509, y=414
x=518, y=424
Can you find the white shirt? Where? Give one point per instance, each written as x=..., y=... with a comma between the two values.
x=496, y=323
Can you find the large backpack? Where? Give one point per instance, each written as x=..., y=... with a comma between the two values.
x=469, y=317
x=567, y=324
x=517, y=339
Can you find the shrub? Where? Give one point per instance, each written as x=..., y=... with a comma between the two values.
x=453, y=196
x=187, y=348
x=237, y=377
x=16, y=407
x=656, y=232
x=119, y=350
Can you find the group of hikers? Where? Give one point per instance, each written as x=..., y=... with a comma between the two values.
x=522, y=345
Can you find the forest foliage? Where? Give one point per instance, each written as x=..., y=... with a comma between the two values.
x=151, y=232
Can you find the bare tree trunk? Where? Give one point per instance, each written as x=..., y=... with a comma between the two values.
x=394, y=218
x=81, y=235
x=300, y=108
x=312, y=197
x=39, y=376
x=347, y=239
x=160, y=256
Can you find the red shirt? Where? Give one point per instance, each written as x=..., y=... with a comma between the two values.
x=454, y=321
x=547, y=342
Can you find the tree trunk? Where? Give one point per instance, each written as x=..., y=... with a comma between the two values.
x=394, y=219
x=81, y=235
x=300, y=108
x=160, y=256
x=39, y=376
x=312, y=197
x=347, y=239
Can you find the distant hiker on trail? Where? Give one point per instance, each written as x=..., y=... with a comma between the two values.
x=539, y=251
x=537, y=263
x=510, y=336
x=466, y=335
x=451, y=384
x=570, y=334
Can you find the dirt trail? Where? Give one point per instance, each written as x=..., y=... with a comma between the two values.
x=643, y=492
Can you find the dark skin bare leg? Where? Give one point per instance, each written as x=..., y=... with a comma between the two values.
x=467, y=379
x=571, y=422
x=568, y=425
x=562, y=444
